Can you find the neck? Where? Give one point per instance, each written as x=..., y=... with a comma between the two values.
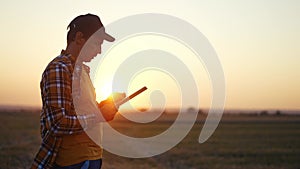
x=73, y=49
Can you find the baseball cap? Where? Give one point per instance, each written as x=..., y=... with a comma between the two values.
x=88, y=24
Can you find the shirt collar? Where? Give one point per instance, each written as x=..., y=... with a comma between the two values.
x=72, y=58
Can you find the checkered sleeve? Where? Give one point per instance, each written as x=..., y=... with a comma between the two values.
x=60, y=116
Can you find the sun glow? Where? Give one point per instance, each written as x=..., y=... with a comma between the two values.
x=103, y=90
x=162, y=88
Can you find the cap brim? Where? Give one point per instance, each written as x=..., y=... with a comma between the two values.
x=108, y=37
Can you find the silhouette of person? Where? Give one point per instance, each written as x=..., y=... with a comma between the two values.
x=69, y=101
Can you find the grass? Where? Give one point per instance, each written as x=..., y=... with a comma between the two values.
x=19, y=139
x=240, y=142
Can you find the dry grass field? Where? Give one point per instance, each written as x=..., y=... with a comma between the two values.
x=240, y=142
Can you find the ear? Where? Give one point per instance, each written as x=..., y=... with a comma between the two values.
x=79, y=39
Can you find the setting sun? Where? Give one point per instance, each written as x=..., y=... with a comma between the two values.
x=103, y=90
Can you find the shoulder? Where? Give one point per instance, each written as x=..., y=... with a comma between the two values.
x=61, y=63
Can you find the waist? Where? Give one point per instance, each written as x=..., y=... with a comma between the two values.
x=77, y=148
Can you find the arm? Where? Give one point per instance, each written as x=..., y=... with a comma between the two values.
x=59, y=112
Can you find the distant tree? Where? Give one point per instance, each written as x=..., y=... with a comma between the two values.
x=191, y=110
x=278, y=113
x=264, y=113
x=200, y=111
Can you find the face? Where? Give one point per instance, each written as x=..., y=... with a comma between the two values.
x=91, y=49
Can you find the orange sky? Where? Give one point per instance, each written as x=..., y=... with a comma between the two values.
x=257, y=43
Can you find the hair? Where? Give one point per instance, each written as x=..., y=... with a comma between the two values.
x=86, y=24
x=71, y=33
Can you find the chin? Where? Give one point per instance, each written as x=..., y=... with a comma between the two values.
x=90, y=58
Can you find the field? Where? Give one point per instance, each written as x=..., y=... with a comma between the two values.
x=240, y=142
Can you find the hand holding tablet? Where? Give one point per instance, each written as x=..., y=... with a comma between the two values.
x=126, y=99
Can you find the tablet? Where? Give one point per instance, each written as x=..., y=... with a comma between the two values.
x=126, y=99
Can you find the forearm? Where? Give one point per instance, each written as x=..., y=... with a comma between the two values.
x=64, y=122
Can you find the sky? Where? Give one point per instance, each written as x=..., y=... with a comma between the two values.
x=257, y=42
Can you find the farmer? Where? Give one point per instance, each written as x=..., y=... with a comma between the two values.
x=69, y=101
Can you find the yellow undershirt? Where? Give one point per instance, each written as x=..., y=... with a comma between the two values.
x=76, y=148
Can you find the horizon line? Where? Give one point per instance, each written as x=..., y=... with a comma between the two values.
x=32, y=107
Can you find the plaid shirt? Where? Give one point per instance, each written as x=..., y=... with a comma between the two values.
x=58, y=116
